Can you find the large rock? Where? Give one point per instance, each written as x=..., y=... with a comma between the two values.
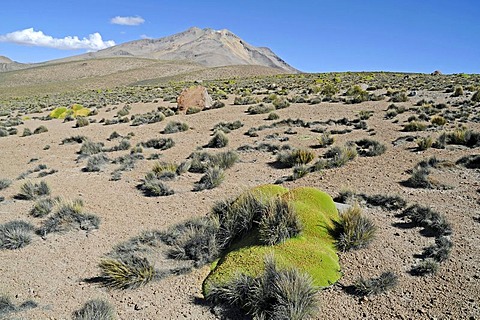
x=196, y=97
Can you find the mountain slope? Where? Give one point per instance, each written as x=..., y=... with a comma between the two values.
x=207, y=47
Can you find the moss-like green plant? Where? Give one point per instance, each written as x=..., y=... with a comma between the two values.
x=77, y=110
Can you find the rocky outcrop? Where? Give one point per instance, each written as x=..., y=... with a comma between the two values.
x=194, y=97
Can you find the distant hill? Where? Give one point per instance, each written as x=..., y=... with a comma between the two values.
x=207, y=47
x=7, y=64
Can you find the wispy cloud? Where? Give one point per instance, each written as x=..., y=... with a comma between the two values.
x=144, y=36
x=31, y=37
x=127, y=21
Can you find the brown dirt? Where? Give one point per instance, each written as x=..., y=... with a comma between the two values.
x=51, y=271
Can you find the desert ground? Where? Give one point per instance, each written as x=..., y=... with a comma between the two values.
x=53, y=270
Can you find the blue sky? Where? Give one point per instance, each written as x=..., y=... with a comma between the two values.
x=313, y=36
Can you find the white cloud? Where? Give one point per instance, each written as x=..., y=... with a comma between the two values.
x=127, y=21
x=31, y=37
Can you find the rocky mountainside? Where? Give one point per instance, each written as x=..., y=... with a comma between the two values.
x=207, y=47
x=7, y=64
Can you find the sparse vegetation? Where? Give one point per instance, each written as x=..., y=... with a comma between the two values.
x=95, y=309
x=5, y=183
x=31, y=191
x=354, y=230
x=366, y=287
x=219, y=140
x=212, y=178
x=175, y=126
x=128, y=274
x=15, y=235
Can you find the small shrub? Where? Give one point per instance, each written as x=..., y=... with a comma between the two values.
x=7, y=306
x=154, y=187
x=399, y=97
x=365, y=115
x=95, y=309
x=89, y=148
x=194, y=240
x=440, y=251
x=325, y=139
x=337, y=157
x=165, y=171
x=476, y=97
x=193, y=110
x=438, y=121
x=244, y=100
x=228, y=126
x=370, y=148
x=423, y=143
x=96, y=163
x=15, y=235
x=273, y=116
x=74, y=139
x=219, y=140
x=30, y=190
x=279, y=222
x=300, y=171
x=212, y=178
x=260, y=109
x=5, y=183
x=69, y=216
x=431, y=220
x=297, y=156
x=425, y=267
x=458, y=91
x=414, y=126
x=161, y=144
x=82, y=122
x=40, y=129
x=281, y=103
x=42, y=207
x=129, y=274
x=353, y=231
x=374, y=286
x=175, y=126
x=26, y=132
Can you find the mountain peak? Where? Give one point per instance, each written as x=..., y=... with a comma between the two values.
x=4, y=59
x=208, y=47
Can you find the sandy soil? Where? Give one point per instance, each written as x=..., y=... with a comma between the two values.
x=51, y=271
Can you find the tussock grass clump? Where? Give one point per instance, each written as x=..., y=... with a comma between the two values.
x=353, y=231
x=370, y=148
x=414, y=126
x=325, y=140
x=96, y=162
x=374, y=286
x=260, y=109
x=176, y=126
x=40, y=129
x=429, y=219
x=386, y=202
x=290, y=158
x=5, y=183
x=273, y=116
x=425, y=267
x=31, y=191
x=280, y=103
x=438, y=120
x=424, y=143
x=276, y=294
x=161, y=144
x=7, y=306
x=212, y=178
x=194, y=240
x=89, y=148
x=463, y=136
x=82, y=122
x=165, y=170
x=95, y=309
x=147, y=118
x=244, y=100
x=126, y=274
x=279, y=222
x=69, y=215
x=74, y=139
x=15, y=235
x=219, y=140
x=201, y=161
x=336, y=157
x=228, y=126
x=26, y=132
x=440, y=251
x=193, y=110
x=300, y=171
x=470, y=162
x=43, y=207
x=152, y=186
x=419, y=179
